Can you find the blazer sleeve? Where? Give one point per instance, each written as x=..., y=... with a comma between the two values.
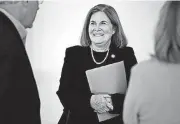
x=19, y=103
x=19, y=98
x=5, y=73
x=130, y=61
x=6, y=94
x=71, y=98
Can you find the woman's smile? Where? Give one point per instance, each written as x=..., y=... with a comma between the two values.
x=98, y=34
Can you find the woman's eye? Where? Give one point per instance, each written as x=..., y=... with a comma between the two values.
x=92, y=23
x=103, y=23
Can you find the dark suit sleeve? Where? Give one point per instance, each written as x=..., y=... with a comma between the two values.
x=5, y=71
x=130, y=61
x=5, y=74
x=19, y=98
x=70, y=97
x=19, y=103
x=5, y=68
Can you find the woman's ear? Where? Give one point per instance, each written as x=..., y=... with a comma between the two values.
x=114, y=30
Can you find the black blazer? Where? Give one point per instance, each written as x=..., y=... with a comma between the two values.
x=19, y=98
x=74, y=91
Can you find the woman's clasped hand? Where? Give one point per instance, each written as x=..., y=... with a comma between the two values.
x=101, y=103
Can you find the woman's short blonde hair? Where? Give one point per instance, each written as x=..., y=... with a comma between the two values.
x=167, y=35
x=118, y=38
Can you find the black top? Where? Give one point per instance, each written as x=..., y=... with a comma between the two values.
x=99, y=56
x=74, y=91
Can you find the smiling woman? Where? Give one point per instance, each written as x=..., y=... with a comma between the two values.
x=103, y=42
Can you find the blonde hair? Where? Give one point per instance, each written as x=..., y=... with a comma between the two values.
x=167, y=35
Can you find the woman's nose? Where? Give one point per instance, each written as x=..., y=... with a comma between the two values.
x=97, y=28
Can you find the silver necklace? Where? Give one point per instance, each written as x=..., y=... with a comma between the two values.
x=98, y=63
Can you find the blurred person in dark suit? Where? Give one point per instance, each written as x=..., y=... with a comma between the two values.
x=19, y=97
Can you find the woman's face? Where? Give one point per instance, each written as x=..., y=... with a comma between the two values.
x=100, y=29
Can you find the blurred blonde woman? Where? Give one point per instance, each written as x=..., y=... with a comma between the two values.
x=154, y=87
